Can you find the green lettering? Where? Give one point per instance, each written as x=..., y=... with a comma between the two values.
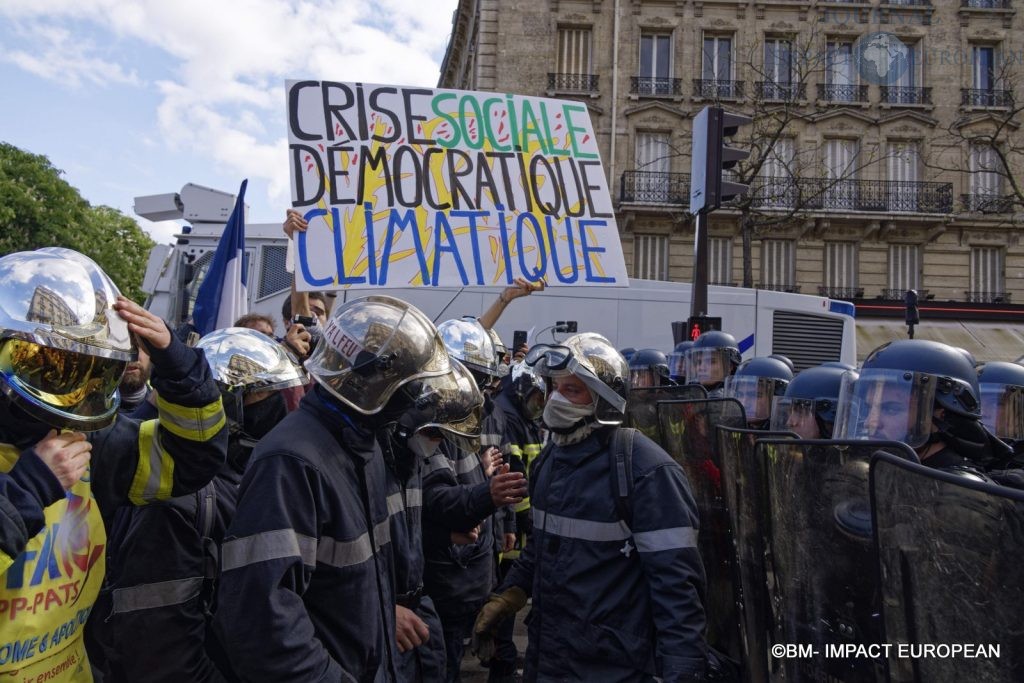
x=453, y=141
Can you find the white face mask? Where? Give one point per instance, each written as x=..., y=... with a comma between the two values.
x=423, y=446
x=561, y=413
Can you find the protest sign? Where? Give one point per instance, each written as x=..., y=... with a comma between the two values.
x=429, y=187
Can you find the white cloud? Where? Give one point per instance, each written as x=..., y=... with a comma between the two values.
x=230, y=58
x=162, y=232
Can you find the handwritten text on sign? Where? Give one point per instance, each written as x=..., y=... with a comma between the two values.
x=427, y=187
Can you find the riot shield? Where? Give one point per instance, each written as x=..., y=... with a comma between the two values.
x=951, y=569
x=688, y=428
x=642, y=406
x=743, y=487
x=821, y=560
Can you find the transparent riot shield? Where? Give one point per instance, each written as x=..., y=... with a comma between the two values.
x=820, y=563
x=688, y=428
x=951, y=569
x=743, y=487
x=642, y=406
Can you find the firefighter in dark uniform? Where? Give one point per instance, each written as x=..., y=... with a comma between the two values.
x=163, y=557
x=616, y=588
x=65, y=339
x=306, y=590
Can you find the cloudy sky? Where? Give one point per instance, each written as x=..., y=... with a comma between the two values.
x=135, y=97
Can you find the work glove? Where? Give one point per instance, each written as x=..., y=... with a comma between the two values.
x=497, y=609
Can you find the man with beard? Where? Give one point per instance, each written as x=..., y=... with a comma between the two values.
x=162, y=559
x=134, y=386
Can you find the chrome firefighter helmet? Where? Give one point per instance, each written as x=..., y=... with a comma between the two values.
x=63, y=348
x=594, y=361
x=469, y=343
x=529, y=390
x=452, y=404
x=371, y=347
x=243, y=359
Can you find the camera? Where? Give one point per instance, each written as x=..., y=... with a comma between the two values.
x=312, y=325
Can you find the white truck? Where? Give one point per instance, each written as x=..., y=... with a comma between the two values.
x=808, y=329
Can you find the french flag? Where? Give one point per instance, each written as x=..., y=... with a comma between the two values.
x=222, y=299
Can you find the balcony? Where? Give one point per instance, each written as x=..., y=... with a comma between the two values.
x=654, y=187
x=908, y=3
x=572, y=82
x=780, y=92
x=983, y=297
x=975, y=97
x=899, y=294
x=905, y=95
x=643, y=85
x=841, y=292
x=985, y=4
x=717, y=89
x=986, y=203
x=871, y=196
x=842, y=92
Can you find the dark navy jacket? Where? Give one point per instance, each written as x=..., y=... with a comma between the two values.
x=611, y=601
x=305, y=591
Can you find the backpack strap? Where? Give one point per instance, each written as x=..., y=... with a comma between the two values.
x=621, y=454
x=206, y=513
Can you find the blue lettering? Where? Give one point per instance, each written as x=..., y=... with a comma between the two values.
x=303, y=259
x=503, y=227
x=371, y=242
x=339, y=252
x=586, y=250
x=16, y=572
x=47, y=559
x=402, y=221
x=537, y=274
x=439, y=221
x=574, y=273
x=474, y=239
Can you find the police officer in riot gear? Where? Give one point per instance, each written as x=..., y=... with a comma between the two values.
x=312, y=527
x=1002, y=401
x=925, y=394
x=616, y=589
x=713, y=357
x=648, y=368
x=66, y=336
x=677, y=361
x=756, y=384
x=808, y=408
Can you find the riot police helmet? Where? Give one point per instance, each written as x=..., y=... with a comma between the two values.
x=808, y=408
x=713, y=357
x=648, y=368
x=1002, y=399
x=756, y=383
x=677, y=361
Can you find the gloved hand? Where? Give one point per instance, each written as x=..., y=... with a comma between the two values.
x=497, y=609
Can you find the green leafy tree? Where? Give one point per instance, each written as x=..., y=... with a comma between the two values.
x=38, y=208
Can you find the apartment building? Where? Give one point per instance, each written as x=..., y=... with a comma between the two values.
x=885, y=139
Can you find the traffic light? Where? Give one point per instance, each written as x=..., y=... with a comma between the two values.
x=710, y=155
x=697, y=325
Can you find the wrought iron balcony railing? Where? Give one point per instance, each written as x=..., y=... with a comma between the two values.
x=985, y=297
x=572, y=82
x=908, y=3
x=897, y=294
x=717, y=89
x=781, y=92
x=824, y=194
x=986, y=4
x=986, y=203
x=643, y=85
x=975, y=97
x=841, y=292
x=893, y=94
x=654, y=187
x=842, y=92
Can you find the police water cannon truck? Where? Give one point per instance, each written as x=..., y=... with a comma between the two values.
x=808, y=329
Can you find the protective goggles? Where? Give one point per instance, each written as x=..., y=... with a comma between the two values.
x=558, y=358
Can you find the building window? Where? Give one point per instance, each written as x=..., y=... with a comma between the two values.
x=910, y=76
x=650, y=257
x=904, y=161
x=778, y=264
x=653, y=162
x=985, y=184
x=840, y=75
x=778, y=61
x=777, y=188
x=841, y=159
x=983, y=61
x=987, y=281
x=840, y=268
x=717, y=59
x=904, y=268
x=574, y=65
x=655, y=76
x=720, y=260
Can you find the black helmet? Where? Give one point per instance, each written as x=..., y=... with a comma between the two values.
x=713, y=357
x=677, y=361
x=755, y=383
x=1002, y=399
x=784, y=359
x=810, y=401
x=900, y=385
x=648, y=368
x=528, y=390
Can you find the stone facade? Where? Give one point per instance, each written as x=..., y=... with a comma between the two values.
x=591, y=51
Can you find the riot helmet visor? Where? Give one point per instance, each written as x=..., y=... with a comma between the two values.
x=797, y=415
x=708, y=366
x=1002, y=410
x=886, y=404
x=754, y=393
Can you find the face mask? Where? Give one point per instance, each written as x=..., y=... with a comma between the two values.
x=423, y=446
x=260, y=417
x=562, y=414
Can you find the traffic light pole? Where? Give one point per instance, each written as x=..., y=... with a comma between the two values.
x=699, y=295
